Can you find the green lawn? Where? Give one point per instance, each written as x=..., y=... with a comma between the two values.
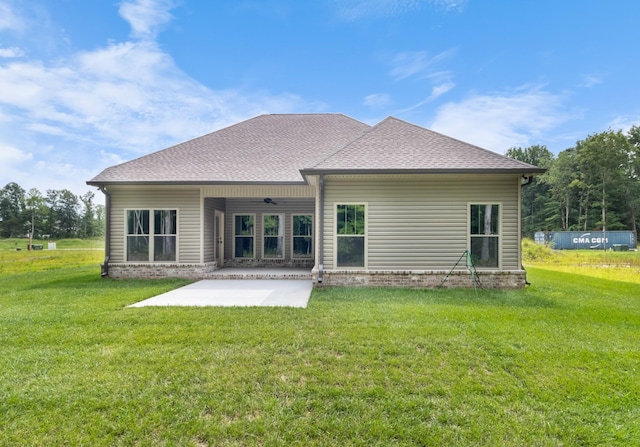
x=555, y=364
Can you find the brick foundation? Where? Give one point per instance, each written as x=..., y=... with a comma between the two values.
x=422, y=279
x=270, y=263
x=148, y=271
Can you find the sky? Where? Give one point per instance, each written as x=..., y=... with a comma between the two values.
x=86, y=84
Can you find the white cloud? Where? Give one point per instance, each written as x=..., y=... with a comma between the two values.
x=377, y=101
x=419, y=64
x=503, y=120
x=146, y=17
x=91, y=109
x=10, y=155
x=11, y=159
x=11, y=52
x=129, y=95
x=436, y=92
x=624, y=123
x=357, y=9
x=441, y=89
x=9, y=20
x=591, y=80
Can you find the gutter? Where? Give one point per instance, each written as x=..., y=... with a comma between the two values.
x=107, y=234
x=321, y=228
x=528, y=181
x=367, y=171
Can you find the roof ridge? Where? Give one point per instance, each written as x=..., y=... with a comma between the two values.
x=331, y=154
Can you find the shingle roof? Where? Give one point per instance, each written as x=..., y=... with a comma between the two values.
x=276, y=148
x=395, y=145
x=267, y=148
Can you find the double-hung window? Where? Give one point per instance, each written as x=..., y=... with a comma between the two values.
x=484, y=234
x=350, y=235
x=273, y=235
x=302, y=235
x=164, y=240
x=149, y=239
x=244, y=239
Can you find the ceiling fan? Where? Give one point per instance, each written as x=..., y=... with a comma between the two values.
x=268, y=201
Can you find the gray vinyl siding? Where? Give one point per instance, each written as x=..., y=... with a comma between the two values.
x=186, y=201
x=421, y=222
x=286, y=207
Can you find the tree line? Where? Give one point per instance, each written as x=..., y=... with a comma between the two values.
x=58, y=214
x=594, y=185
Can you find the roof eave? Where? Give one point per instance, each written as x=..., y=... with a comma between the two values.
x=99, y=183
x=519, y=171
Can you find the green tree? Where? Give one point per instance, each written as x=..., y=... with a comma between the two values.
x=88, y=225
x=633, y=173
x=35, y=211
x=563, y=182
x=536, y=196
x=603, y=160
x=12, y=211
x=63, y=220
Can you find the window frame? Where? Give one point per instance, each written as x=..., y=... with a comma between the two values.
x=173, y=235
x=365, y=235
x=151, y=236
x=283, y=224
x=235, y=236
x=311, y=236
x=497, y=235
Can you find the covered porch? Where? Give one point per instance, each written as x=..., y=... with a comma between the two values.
x=261, y=227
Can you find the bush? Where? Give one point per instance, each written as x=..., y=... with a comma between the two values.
x=532, y=252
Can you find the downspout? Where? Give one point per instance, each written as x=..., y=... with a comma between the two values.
x=529, y=180
x=107, y=233
x=320, y=228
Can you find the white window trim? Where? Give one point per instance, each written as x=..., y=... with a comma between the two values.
x=312, y=236
x=236, y=236
x=499, y=235
x=151, y=235
x=336, y=236
x=284, y=244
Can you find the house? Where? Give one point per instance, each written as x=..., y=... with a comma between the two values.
x=391, y=204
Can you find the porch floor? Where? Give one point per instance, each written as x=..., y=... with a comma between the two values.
x=260, y=273
x=236, y=293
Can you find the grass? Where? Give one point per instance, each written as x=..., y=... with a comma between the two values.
x=617, y=266
x=62, y=244
x=555, y=364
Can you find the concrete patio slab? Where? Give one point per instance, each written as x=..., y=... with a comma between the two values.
x=231, y=292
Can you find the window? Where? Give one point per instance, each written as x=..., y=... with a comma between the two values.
x=273, y=233
x=244, y=228
x=164, y=241
x=138, y=235
x=350, y=231
x=302, y=234
x=484, y=234
x=146, y=241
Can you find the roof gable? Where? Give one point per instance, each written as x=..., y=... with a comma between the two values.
x=267, y=148
x=396, y=145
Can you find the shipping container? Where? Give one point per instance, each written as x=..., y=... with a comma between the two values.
x=588, y=240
